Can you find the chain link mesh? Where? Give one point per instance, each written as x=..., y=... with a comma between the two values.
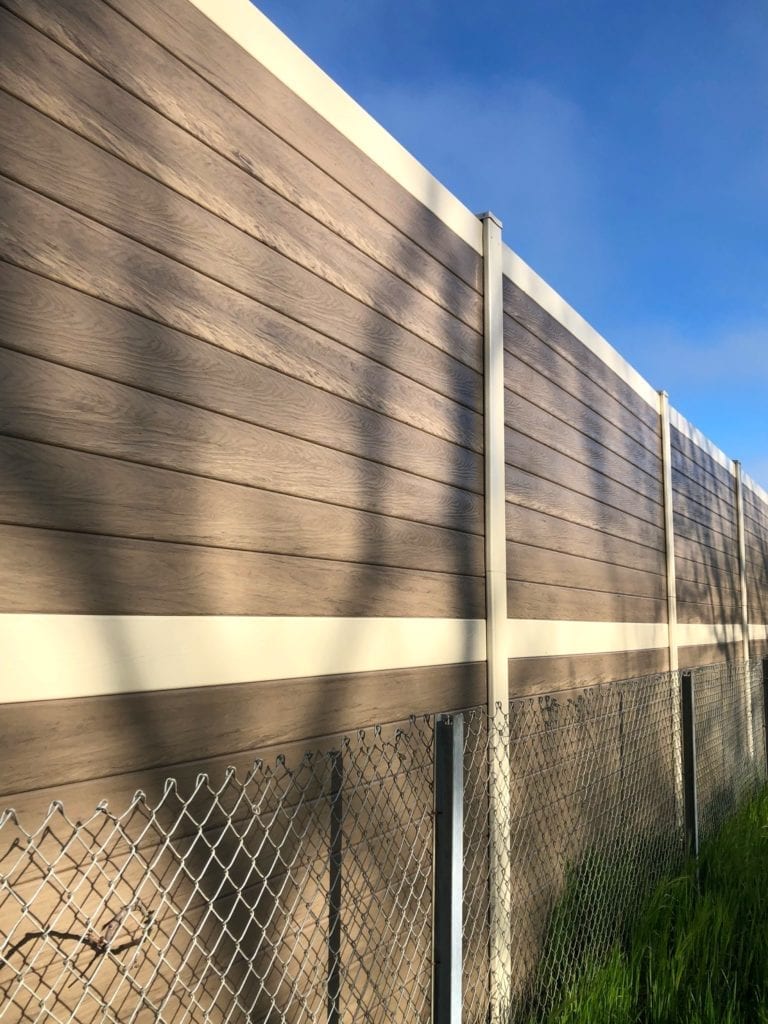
x=730, y=740
x=296, y=894
x=304, y=893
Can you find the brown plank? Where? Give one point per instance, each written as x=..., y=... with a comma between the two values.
x=92, y=738
x=92, y=259
x=703, y=534
x=757, y=601
x=551, y=533
x=531, y=676
x=527, y=313
x=713, y=572
x=682, y=443
x=58, y=324
x=525, y=351
x=547, y=428
x=65, y=167
x=526, y=453
x=523, y=386
x=692, y=493
x=539, y=601
x=710, y=654
x=724, y=603
x=57, y=572
x=535, y=492
x=258, y=198
x=539, y=565
x=705, y=515
x=693, y=550
x=54, y=488
x=716, y=609
x=685, y=466
x=45, y=402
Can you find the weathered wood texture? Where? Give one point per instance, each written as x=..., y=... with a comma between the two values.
x=583, y=458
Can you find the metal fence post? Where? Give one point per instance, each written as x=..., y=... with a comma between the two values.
x=744, y=606
x=334, y=889
x=689, y=762
x=448, y=869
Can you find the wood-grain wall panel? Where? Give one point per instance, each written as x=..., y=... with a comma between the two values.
x=531, y=676
x=713, y=572
x=703, y=460
x=536, y=493
x=686, y=469
x=757, y=600
x=54, y=404
x=703, y=534
x=692, y=499
x=54, y=488
x=539, y=601
x=552, y=533
x=693, y=550
x=708, y=654
x=525, y=352
x=50, y=571
x=531, y=421
x=95, y=737
x=61, y=325
x=527, y=313
x=536, y=388
x=93, y=259
x=61, y=165
x=712, y=607
x=531, y=564
x=256, y=121
x=528, y=454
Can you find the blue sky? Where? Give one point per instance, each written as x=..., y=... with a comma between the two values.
x=625, y=148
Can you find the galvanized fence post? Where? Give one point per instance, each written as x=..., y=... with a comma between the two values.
x=334, y=889
x=448, y=869
x=688, y=701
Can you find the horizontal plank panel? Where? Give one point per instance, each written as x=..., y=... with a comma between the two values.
x=521, y=308
x=99, y=36
x=533, y=676
x=544, y=425
x=536, y=493
x=521, y=382
x=526, y=453
x=692, y=549
x=223, y=63
x=79, y=97
x=539, y=601
x=56, y=323
x=91, y=258
x=757, y=600
x=711, y=654
x=683, y=466
x=690, y=493
x=54, y=488
x=755, y=506
x=683, y=444
x=50, y=403
x=552, y=533
x=716, y=608
x=715, y=573
x=703, y=535
x=539, y=565
x=758, y=648
x=725, y=602
x=90, y=738
x=705, y=516
x=49, y=571
x=526, y=352
x=61, y=165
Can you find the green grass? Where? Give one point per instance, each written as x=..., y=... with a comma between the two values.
x=697, y=952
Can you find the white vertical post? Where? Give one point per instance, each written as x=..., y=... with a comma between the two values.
x=496, y=623
x=744, y=606
x=669, y=529
x=669, y=533
x=449, y=869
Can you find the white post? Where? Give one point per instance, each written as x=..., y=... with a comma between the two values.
x=744, y=607
x=496, y=623
x=669, y=533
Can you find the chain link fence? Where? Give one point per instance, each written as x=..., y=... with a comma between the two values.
x=305, y=892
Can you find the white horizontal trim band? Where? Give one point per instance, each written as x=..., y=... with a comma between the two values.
x=45, y=657
x=50, y=657
x=264, y=41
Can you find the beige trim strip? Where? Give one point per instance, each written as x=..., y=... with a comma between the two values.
x=50, y=657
